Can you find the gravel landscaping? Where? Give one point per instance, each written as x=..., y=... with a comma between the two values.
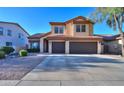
x=17, y=68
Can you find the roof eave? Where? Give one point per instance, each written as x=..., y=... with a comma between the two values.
x=17, y=25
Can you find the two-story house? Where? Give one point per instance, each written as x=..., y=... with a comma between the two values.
x=12, y=34
x=74, y=36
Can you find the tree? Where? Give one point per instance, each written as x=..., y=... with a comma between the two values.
x=114, y=17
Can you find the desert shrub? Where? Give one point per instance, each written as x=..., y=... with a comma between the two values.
x=7, y=49
x=23, y=53
x=2, y=54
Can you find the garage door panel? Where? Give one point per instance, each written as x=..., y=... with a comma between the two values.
x=83, y=47
x=58, y=47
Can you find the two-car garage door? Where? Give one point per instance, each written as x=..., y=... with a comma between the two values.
x=75, y=47
x=83, y=48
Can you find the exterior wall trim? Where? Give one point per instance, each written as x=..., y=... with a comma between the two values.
x=99, y=48
x=50, y=47
x=67, y=47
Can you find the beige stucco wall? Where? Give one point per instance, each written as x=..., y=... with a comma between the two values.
x=70, y=30
x=90, y=29
x=42, y=43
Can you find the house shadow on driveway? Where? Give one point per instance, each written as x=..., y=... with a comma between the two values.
x=77, y=63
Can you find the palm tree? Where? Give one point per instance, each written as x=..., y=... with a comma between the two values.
x=113, y=16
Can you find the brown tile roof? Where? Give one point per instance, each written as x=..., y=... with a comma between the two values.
x=118, y=37
x=63, y=37
x=34, y=40
x=38, y=35
x=57, y=23
x=109, y=37
x=72, y=20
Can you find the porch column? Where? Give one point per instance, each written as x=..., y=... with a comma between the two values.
x=66, y=47
x=50, y=47
x=41, y=45
x=99, y=48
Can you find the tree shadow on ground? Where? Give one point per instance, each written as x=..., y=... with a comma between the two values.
x=75, y=63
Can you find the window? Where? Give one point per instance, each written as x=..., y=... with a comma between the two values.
x=77, y=28
x=8, y=43
x=35, y=45
x=56, y=29
x=83, y=28
x=9, y=32
x=80, y=28
x=19, y=35
x=1, y=31
x=59, y=29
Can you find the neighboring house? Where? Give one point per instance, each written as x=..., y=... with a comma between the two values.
x=74, y=36
x=12, y=34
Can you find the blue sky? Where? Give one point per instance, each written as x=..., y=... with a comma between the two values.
x=36, y=19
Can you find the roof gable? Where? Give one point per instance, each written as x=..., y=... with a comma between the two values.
x=77, y=19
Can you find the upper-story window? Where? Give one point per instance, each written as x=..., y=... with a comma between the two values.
x=80, y=28
x=19, y=35
x=1, y=31
x=59, y=29
x=9, y=32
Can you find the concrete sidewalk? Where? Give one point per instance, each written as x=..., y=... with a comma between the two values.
x=60, y=83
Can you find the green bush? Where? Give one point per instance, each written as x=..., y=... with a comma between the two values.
x=7, y=50
x=23, y=53
x=33, y=50
x=2, y=54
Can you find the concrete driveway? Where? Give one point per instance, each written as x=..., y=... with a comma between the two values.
x=77, y=70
